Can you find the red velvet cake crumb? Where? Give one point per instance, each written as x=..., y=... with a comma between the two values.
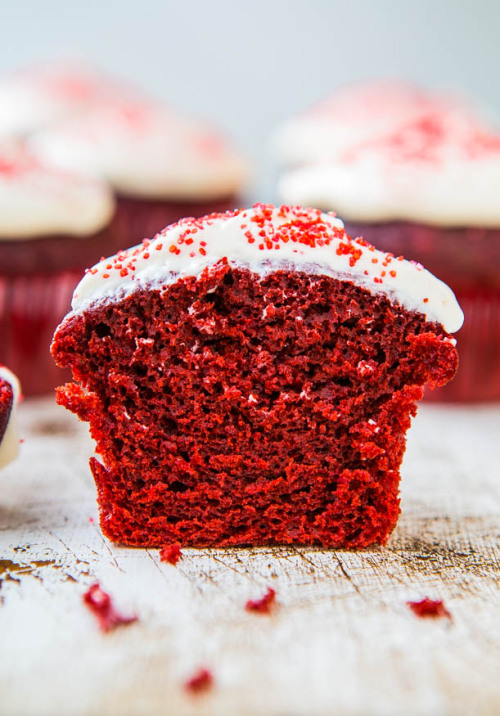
x=171, y=553
x=200, y=682
x=264, y=605
x=429, y=608
x=101, y=605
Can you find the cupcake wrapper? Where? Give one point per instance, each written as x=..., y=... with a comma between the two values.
x=30, y=310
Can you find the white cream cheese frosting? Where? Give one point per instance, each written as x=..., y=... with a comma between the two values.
x=443, y=170
x=263, y=239
x=144, y=149
x=37, y=96
x=9, y=444
x=38, y=201
x=354, y=114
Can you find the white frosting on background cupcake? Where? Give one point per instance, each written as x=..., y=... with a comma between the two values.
x=40, y=95
x=264, y=239
x=38, y=201
x=357, y=113
x=442, y=170
x=145, y=150
x=9, y=443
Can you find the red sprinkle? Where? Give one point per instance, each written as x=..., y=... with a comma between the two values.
x=263, y=605
x=171, y=553
x=200, y=682
x=101, y=606
x=429, y=608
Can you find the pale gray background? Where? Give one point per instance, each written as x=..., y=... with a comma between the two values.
x=247, y=65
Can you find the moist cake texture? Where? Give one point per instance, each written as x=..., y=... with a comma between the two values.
x=242, y=395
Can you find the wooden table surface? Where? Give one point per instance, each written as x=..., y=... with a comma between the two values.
x=342, y=639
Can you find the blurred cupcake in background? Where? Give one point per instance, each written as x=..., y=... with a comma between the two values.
x=161, y=165
x=428, y=189
x=53, y=224
x=38, y=96
x=354, y=114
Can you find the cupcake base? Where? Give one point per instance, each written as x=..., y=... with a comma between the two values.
x=468, y=260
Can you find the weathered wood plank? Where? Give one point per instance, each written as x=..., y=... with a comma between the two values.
x=342, y=639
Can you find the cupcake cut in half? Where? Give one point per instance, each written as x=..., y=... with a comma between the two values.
x=35, y=97
x=249, y=379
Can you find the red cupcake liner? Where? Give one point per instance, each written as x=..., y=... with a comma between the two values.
x=31, y=307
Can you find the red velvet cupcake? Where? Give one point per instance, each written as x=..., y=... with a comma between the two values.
x=249, y=378
x=427, y=189
x=161, y=165
x=9, y=395
x=52, y=225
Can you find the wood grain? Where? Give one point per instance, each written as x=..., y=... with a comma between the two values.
x=342, y=639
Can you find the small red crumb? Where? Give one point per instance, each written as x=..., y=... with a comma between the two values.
x=101, y=606
x=263, y=605
x=201, y=681
x=171, y=553
x=429, y=608
x=91, y=520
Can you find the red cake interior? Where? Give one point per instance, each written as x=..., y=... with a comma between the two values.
x=239, y=409
x=6, y=403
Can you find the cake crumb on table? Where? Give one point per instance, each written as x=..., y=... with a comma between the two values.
x=429, y=608
x=171, y=553
x=101, y=605
x=200, y=682
x=264, y=605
